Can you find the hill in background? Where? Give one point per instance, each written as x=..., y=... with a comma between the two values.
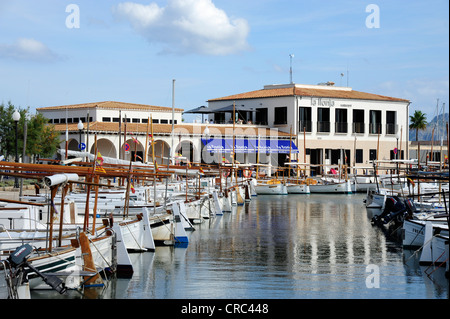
x=439, y=125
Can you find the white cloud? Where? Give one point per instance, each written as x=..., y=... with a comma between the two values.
x=26, y=49
x=187, y=26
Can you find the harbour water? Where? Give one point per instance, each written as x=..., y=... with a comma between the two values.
x=280, y=247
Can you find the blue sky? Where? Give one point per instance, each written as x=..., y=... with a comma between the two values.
x=131, y=51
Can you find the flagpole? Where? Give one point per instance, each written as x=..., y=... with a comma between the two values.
x=146, y=141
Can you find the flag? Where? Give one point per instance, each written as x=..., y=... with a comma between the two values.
x=132, y=188
x=99, y=159
x=99, y=162
x=100, y=169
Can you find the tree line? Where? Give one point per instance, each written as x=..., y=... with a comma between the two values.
x=40, y=138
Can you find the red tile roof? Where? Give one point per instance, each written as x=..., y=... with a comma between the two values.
x=308, y=92
x=112, y=105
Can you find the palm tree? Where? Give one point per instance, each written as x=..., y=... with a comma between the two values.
x=418, y=121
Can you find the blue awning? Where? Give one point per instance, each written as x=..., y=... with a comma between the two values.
x=225, y=145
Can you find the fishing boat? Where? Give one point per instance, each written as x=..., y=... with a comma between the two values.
x=413, y=230
x=331, y=186
x=301, y=188
x=297, y=185
x=271, y=187
x=435, y=247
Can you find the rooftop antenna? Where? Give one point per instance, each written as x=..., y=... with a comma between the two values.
x=291, y=56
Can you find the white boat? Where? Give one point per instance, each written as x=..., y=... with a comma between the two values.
x=435, y=247
x=331, y=187
x=362, y=184
x=272, y=187
x=298, y=188
x=413, y=231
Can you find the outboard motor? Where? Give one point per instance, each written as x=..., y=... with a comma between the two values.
x=394, y=208
x=410, y=207
x=19, y=262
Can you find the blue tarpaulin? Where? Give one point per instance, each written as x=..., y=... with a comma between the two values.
x=225, y=145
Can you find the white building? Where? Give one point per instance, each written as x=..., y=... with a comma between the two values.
x=331, y=124
x=113, y=127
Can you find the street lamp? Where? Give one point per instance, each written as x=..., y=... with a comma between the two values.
x=80, y=128
x=16, y=118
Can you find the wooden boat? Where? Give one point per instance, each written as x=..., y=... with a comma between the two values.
x=413, y=231
x=271, y=187
x=298, y=188
x=435, y=247
x=331, y=187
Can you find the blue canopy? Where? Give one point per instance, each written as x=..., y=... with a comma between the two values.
x=221, y=145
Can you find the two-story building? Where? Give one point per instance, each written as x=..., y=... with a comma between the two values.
x=331, y=125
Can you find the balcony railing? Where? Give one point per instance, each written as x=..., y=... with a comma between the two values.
x=323, y=127
x=391, y=128
x=305, y=126
x=358, y=127
x=341, y=127
x=375, y=128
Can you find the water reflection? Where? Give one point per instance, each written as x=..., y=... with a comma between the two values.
x=313, y=246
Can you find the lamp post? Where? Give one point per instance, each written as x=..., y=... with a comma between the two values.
x=16, y=118
x=80, y=127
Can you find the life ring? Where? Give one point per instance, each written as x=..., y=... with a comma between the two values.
x=247, y=173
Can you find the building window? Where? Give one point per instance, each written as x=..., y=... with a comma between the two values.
x=372, y=155
x=375, y=122
x=261, y=116
x=62, y=121
x=280, y=115
x=126, y=119
x=358, y=121
x=341, y=125
x=155, y=121
x=164, y=121
x=391, y=123
x=174, y=121
x=136, y=120
x=56, y=121
x=76, y=119
x=359, y=156
x=145, y=121
x=116, y=120
x=323, y=120
x=69, y=120
x=304, y=119
x=106, y=119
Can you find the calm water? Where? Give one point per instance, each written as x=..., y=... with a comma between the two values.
x=282, y=247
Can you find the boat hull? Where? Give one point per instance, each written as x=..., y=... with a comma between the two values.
x=271, y=189
x=331, y=188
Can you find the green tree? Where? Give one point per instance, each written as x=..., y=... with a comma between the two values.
x=42, y=140
x=418, y=121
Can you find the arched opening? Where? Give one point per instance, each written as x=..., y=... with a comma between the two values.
x=135, y=151
x=105, y=147
x=162, y=152
x=186, y=149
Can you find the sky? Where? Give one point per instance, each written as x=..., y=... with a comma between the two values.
x=56, y=52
